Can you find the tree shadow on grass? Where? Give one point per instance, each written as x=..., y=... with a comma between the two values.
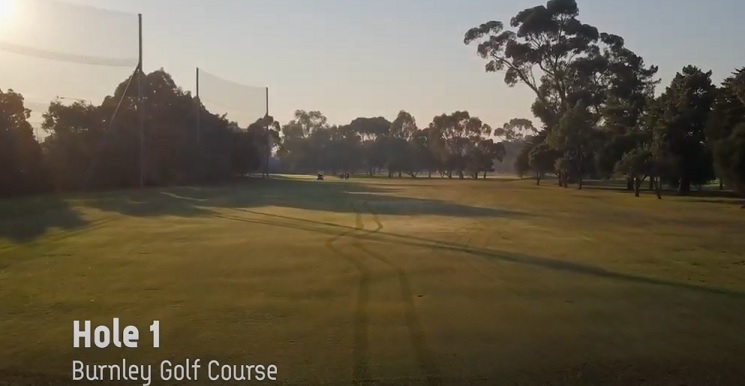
x=332, y=229
x=182, y=202
x=324, y=196
x=699, y=197
x=439, y=182
x=26, y=219
x=620, y=187
x=727, y=201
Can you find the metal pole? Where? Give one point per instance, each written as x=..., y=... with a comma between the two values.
x=140, y=108
x=268, y=138
x=198, y=168
x=199, y=113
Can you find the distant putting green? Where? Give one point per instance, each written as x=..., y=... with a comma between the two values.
x=382, y=282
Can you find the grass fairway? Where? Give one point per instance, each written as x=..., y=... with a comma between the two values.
x=384, y=282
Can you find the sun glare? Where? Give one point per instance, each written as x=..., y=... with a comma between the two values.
x=8, y=12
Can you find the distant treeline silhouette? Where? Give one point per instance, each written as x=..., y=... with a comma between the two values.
x=595, y=102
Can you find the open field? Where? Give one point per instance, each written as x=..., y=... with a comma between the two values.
x=384, y=282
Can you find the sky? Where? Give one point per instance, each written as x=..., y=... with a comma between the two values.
x=346, y=58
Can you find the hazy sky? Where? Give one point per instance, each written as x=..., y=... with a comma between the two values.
x=350, y=58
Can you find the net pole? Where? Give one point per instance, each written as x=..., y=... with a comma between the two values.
x=102, y=143
x=198, y=168
x=268, y=138
x=140, y=105
x=199, y=113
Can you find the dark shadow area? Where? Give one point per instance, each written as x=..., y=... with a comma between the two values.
x=438, y=182
x=156, y=202
x=505, y=179
x=327, y=196
x=711, y=193
x=620, y=187
x=26, y=219
x=430, y=184
x=704, y=196
x=605, y=184
x=434, y=180
x=726, y=201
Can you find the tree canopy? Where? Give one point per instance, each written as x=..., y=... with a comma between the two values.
x=596, y=101
x=20, y=155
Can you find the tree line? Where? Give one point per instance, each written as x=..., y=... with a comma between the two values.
x=92, y=147
x=595, y=99
x=595, y=102
x=452, y=145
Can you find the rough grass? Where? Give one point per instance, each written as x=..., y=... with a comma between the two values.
x=403, y=281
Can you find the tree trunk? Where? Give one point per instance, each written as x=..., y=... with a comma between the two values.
x=484, y=175
x=399, y=174
x=390, y=173
x=430, y=174
x=684, y=187
x=560, y=178
x=579, y=169
x=637, y=184
x=658, y=189
x=721, y=184
x=538, y=179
